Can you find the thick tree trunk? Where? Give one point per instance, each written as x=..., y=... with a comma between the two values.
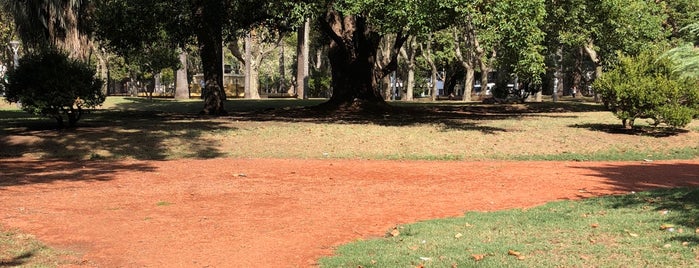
x=468, y=84
x=302, y=61
x=209, y=36
x=352, y=55
x=181, y=84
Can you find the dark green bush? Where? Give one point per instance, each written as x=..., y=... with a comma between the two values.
x=53, y=85
x=643, y=87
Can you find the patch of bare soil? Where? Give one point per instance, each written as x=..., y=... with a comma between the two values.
x=278, y=213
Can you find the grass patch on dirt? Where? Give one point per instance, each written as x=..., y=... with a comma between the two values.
x=648, y=229
x=137, y=128
x=23, y=250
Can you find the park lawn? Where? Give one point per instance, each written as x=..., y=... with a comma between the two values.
x=648, y=229
x=135, y=128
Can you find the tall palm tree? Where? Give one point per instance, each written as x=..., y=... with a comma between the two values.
x=59, y=24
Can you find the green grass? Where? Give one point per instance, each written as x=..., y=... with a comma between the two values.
x=159, y=129
x=23, y=250
x=613, y=231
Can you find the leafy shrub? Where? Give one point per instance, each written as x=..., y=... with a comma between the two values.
x=53, y=85
x=643, y=87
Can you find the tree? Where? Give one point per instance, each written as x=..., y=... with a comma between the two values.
x=643, y=87
x=256, y=46
x=355, y=29
x=52, y=84
x=603, y=27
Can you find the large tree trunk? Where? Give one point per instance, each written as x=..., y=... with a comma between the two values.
x=352, y=55
x=209, y=16
x=302, y=61
x=181, y=84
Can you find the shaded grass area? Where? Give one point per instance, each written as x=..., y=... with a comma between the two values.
x=648, y=229
x=160, y=129
x=22, y=250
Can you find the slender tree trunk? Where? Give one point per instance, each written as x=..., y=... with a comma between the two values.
x=209, y=16
x=427, y=54
x=282, y=69
x=181, y=85
x=594, y=57
x=384, y=58
x=252, y=90
x=409, y=52
x=467, y=60
x=485, y=70
x=302, y=61
x=103, y=59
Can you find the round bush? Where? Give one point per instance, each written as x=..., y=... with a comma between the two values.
x=52, y=84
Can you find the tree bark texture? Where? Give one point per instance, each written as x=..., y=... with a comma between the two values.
x=409, y=53
x=181, y=84
x=353, y=54
x=427, y=54
x=302, y=61
x=209, y=17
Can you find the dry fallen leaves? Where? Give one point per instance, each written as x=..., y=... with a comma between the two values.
x=478, y=257
x=666, y=226
x=458, y=235
x=594, y=225
x=517, y=254
x=394, y=232
x=513, y=253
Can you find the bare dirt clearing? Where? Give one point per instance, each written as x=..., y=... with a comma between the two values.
x=278, y=213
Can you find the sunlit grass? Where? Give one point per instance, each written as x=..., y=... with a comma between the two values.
x=650, y=229
x=168, y=129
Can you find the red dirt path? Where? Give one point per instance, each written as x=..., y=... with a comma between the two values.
x=278, y=213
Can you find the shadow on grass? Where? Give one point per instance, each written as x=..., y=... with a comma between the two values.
x=18, y=260
x=676, y=208
x=671, y=189
x=657, y=132
x=143, y=135
x=452, y=116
